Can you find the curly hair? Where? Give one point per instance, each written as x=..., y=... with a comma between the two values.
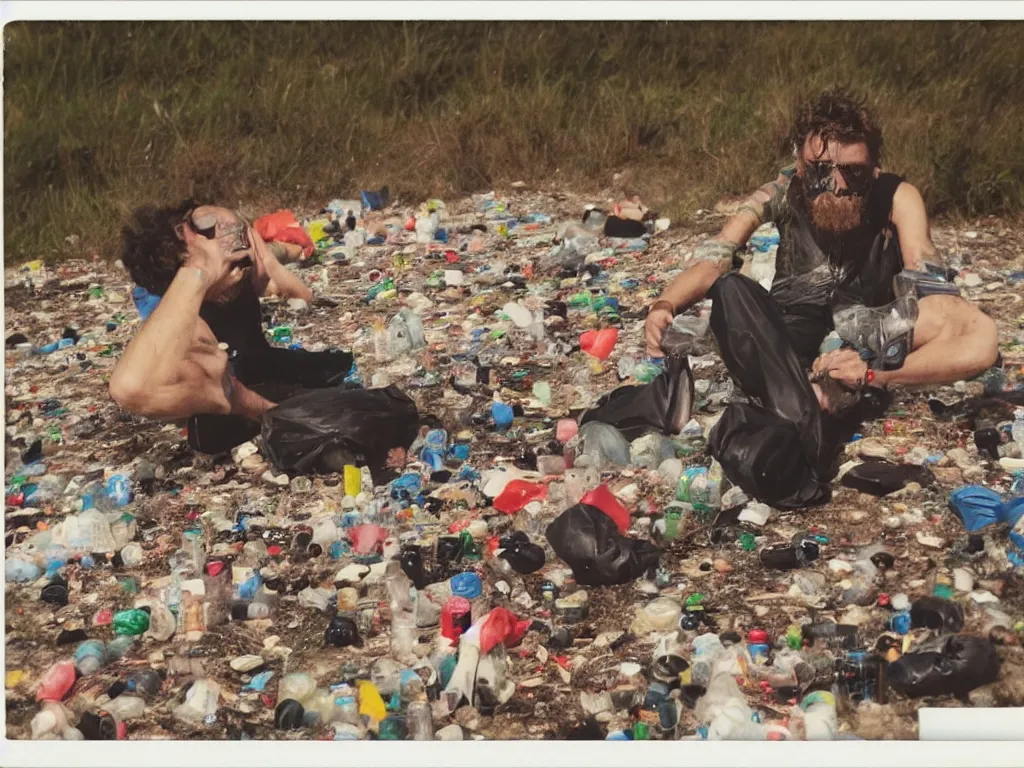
x=837, y=115
x=151, y=249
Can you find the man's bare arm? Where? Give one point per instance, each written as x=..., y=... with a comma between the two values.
x=953, y=340
x=169, y=356
x=714, y=258
x=271, y=278
x=174, y=368
x=911, y=220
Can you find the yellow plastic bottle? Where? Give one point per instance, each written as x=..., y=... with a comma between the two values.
x=353, y=480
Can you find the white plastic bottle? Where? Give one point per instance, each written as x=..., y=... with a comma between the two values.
x=1017, y=431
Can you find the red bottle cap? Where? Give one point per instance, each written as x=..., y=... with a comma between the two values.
x=757, y=636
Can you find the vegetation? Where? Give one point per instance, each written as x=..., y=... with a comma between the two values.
x=99, y=117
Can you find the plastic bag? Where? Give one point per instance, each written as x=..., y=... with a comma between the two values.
x=501, y=627
x=978, y=507
x=602, y=498
x=363, y=424
x=771, y=447
x=936, y=613
x=952, y=664
x=517, y=494
x=283, y=227
x=522, y=554
x=880, y=478
x=662, y=406
x=589, y=542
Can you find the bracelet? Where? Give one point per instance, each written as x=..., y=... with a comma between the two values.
x=869, y=377
x=668, y=305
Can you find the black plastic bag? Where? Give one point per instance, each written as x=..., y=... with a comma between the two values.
x=664, y=405
x=616, y=227
x=522, y=554
x=361, y=424
x=590, y=543
x=936, y=613
x=953, y=664
x=880, y=478
x=771, y=447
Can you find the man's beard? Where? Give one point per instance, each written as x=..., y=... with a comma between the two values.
x=836, y=215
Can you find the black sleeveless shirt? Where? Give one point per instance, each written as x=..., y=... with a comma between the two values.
x=237, y=323
x=814, y=278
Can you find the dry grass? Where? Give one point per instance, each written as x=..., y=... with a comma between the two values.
x=102, y=116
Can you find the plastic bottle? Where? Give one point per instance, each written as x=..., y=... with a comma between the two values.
x=1017, y=430
x=420, y=721
x=145, y=682
x=346, y=705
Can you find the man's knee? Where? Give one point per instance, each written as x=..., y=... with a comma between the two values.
x=733, y=284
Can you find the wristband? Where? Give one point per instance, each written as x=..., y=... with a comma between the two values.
x=869, y=377
x=665, y=303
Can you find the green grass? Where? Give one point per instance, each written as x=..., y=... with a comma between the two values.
x=100, y=117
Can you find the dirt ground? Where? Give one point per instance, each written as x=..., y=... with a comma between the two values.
x=926, y=539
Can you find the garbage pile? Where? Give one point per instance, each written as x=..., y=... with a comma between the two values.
x=554, y=554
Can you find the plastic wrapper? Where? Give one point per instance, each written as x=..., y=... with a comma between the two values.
x=589, y=541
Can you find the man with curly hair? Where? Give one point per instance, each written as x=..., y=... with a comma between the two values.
x=201, y=355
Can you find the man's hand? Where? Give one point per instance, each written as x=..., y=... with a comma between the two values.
x=843, y=365
x=270, y=277
x=217, y=264
x=658, y=319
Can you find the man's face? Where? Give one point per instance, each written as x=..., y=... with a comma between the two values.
x=836, y=178
x=229, y=229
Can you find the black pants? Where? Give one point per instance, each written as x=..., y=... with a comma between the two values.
x=780, y=447
x=275, y=374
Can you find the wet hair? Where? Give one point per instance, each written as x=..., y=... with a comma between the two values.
x=837, y=115
x=151, y=250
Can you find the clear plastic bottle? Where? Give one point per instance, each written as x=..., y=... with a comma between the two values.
x=346, y=705
x=419, y=721
x=1017, y=430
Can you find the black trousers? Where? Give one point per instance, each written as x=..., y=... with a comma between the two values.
x=275, y=374
x=780, y=447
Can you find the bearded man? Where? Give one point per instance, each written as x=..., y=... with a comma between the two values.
x=855, y=256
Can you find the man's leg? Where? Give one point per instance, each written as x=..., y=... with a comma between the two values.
x=772, y=451
x=756, y=347
x=276, y=374
x=298, y=368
